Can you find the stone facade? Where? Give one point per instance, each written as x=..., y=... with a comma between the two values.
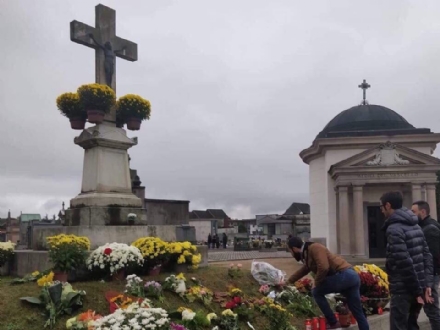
x=349, y=174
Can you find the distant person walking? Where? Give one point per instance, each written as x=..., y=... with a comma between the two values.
x=408, y=262
x=217, y=241
x=431, y=230
x=209, y=240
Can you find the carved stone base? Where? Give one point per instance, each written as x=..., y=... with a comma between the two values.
x=104, y=216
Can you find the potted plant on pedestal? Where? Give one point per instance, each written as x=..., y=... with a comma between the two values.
x=132, y=109
x=71, y=107
x=97, y=100
x=67, y=253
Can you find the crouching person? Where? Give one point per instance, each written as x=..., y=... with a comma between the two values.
x=332, y=275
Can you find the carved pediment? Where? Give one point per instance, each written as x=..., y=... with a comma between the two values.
x=385, y=155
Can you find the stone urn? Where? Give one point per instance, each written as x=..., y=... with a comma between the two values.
x=77, y=123
x=95, y=116
x=133, y=123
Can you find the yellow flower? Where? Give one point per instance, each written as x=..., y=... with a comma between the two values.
x=45, y=280
x=181, y=277
x=36, y=273
x=228, y=312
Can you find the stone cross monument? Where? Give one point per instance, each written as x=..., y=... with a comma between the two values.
x=106, y=196
x=107, y=46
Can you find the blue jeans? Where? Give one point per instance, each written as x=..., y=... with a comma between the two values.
x=347, y=283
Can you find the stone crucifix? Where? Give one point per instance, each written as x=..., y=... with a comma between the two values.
x=107, y=46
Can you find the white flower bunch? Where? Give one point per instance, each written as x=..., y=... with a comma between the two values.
x=134, y=286
x=114, y=256
x=7, y=246
x=133, y=280
x=175, y=284
x=188, y=315
x=134, y=317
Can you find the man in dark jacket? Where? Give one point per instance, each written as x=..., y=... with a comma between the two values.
x=408, y=261
x=431, y=229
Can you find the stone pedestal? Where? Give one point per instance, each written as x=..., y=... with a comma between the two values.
x=106, y=173
x=106, y=196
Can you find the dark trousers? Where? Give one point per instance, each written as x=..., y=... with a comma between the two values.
x=432, y=311
x=404, y=311
x=347, y=283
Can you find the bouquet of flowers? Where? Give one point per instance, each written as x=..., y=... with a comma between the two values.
x=374, y=289
x=304, y=285
x=199, y=293
x=57, y=298
x=82, y=321
x=134, y=317
x=264, y=289
x=114, y=257
x=134, y=286
x=297, y=302
x=235, y=270
x=6, y=252
x=121, y=301
x=279, y=317
x=153, y=289
x=227, y=320
x=175, y=284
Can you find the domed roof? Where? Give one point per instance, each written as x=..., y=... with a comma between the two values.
x=366, y=119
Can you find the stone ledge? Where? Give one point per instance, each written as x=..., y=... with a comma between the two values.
x=27, y=261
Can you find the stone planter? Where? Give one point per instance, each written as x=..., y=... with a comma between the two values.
x=95, y=116
x=60, y=276
x=155, y=271
x=77, y=123
x=133, y=123
x=119, y=275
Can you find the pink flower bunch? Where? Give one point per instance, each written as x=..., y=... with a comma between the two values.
x=264, y=289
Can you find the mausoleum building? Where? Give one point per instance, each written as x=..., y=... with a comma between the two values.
x=363, y=152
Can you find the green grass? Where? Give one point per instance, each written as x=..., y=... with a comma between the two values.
x=16, y=315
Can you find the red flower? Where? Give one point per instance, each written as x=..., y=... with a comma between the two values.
x=230, y=305
x=107, y=251
x=237, y=300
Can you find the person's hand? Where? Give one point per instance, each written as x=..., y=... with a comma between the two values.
x=428, y=296
x=420, y=300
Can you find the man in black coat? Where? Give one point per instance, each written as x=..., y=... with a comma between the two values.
x=431, y=229
x=408, y=262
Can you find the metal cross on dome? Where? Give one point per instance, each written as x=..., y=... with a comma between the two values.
x=364, y=86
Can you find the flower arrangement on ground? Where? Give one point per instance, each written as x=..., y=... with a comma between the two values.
x=97, y=99
x=33, y=277
x=190, y=320
x=58, y=299
x=134, y=317
x=134, y=286
x=296, y=302
x=114, y=258
x=264, y=289
x=6, y=252
x=235, y=270
x=304, y=285
x=132, y=109
x=227, y=320
x=45, y=279
x=71, y=107
x=175, y=284
x=83, y=321
x=154, y=251
x=200, y=293
x=67, y=253
x=374, y=289
x=279, y=317
x=184, y=253
x=153, y=289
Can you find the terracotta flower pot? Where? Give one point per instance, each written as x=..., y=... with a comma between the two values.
x=119, y=275
x=60, y=276
x=133, y=123
x=344, y=320
x=155, y=271
x=77, y=123
x=95, y=116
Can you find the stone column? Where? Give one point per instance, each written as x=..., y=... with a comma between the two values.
x=358, y=215
x=431, y=199
x=416, y=192
x=343, y=222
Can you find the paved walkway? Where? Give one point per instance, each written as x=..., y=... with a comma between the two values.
x=226, y=255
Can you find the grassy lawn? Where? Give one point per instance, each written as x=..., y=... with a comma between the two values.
x=16, y=315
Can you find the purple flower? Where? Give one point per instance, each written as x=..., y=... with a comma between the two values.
x=175, y=326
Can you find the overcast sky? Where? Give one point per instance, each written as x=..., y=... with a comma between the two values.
x=238, y=88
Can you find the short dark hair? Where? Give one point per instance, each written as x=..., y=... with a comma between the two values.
x=395, y=199
x=295, y=242
x=422, y=205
